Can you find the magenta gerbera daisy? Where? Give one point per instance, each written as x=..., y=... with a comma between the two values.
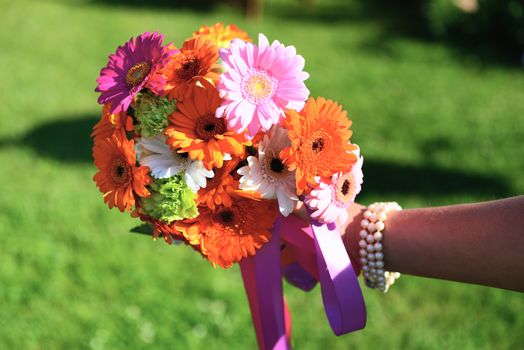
x=259, y=83
x=129, y=69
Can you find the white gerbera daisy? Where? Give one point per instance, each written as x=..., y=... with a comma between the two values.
x=164, y=163
x=267, y=175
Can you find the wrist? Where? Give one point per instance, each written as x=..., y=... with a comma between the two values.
x=351, y=234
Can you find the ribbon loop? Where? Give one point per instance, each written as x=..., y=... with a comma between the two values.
x=341, y=293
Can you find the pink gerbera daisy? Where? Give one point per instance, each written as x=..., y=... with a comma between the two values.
x=259, y=83
x=129, y=69
x=330, y=201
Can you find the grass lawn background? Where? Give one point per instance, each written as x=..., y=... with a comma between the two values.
x=436, y=126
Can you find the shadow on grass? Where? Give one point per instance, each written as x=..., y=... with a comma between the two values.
x=67, y=140
x=408, y=20
x=386, y=178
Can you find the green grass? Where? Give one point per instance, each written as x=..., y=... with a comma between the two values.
x=435, y=127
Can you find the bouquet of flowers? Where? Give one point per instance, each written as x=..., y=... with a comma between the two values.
x=214, y=144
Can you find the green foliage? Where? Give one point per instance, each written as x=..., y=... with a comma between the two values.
x=151, y=112
x=171, y=199
x=434, y=127
x=500, y=21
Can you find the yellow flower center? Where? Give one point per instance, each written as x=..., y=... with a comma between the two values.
x=136, y=74
x=259, y=86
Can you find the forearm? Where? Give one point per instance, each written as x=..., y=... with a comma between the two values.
x=479, y=243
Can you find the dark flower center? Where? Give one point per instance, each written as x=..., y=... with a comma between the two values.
x=120, y=172
x=345, y=188
x=136, y=74
x=208, y=126
x=276, y=165
x=227, y=216
x=317, y=145
x=188, y=68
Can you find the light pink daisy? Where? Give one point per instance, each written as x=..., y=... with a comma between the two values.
x=130, y=68
x=329, y=201
x=259, y=83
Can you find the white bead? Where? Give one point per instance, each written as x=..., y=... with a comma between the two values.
x=380, y=271
x=371, y=256
x=382, y=216
x=371, y=264
x=363, y=234
x=365, y=268
x=362, y=244
x=377, y=246
x=371, y=227
x=379, y=256
x=380, y=264
x=370, y=248
x=367, y=214
x=380, y=279
x=373, y=217
x=366, y=274
x=363, y=261
x=363, y=252
x=378, y=236
x=379, y=226
x=373, y=207
x=372, y=271
x=370, y=238
x=364, y=223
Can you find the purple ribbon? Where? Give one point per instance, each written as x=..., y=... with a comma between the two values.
x=263, y=283
x=341, y=293
x=320, y=253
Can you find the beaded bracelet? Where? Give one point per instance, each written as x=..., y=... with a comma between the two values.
x=371, y=255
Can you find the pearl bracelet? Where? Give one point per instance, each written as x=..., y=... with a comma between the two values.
x=371, y=255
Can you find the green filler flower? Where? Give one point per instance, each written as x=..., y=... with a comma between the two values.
x=171, y=199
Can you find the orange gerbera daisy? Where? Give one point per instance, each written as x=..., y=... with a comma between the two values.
x=194, y=129
x=118, y=178
x=197, y=58
x=218, y=189
x=226, y=235
x=110, y=124
x=221, y=35
x=320, y=146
